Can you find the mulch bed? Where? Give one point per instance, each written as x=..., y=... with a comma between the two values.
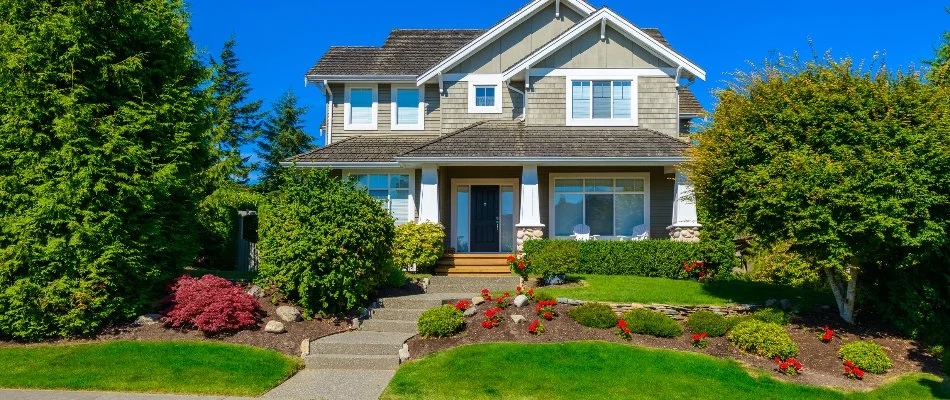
x=822, y=365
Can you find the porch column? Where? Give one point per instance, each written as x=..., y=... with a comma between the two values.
x=686, y=225
x=529, y=221
x=429, y=195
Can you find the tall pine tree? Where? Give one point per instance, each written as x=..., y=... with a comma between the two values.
x=282, y=137
x=236, y=120
x=102, y=125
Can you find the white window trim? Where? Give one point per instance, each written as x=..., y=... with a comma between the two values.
x=347, y=126
x=615, y=175
x=634, y=119
x=485, y=80
x=393, y=108
x=413, y=205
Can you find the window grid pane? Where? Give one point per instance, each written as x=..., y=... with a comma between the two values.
x=609, y=206
x=580, y=97
x=601, y=108
x=622, y=99
x=484, y=96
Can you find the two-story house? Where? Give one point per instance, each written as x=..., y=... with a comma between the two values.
x=560, y=117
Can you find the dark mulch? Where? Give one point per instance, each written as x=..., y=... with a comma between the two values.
x=822, y=365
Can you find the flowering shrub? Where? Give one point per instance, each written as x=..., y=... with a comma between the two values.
x=462, y=305
x=852, y=371
x=545, y=309
x=442, y=321
x=502, y=301
x=492, y=318
x=529, y=294
x=486, y=295
x=519, y=265
x=623, y=331
x=699, y=340
x=536, y=327
x=826, y=337
x=211, y=304
x=695, y=270
x=789, y=366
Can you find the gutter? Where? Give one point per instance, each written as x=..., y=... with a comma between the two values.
x=338, y=165
x=524, y=97
x=361, y=78
x=585, y=161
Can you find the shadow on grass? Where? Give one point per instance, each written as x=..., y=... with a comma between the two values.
x=744, y=292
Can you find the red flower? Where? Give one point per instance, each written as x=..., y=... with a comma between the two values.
x=506, y=294
x=548, y=315
x=531, y=292
x=487, y=298
x=783, y=366
x=518, y=289
x=485, y=291
x=486, y=324
x=859, y=373
x=521, y=265
x=696, y=337
x=626, y=330
x=622, y=324
x=702, y=274
x=848, y=364
x=511, y=258
x=703, y=335
x=776, y=359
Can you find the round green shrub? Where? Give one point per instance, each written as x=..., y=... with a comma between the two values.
x=540, y=295
x=771, y=315
x=763, y=338
x=324, y=244
x=707, y=321
x=734, y=320
x=418, y=244
x=594, y=315
x=440, y=321
x=557, y=257
x=867, y=355
x=652, y=323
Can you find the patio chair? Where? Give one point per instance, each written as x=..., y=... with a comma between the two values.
x=640, y=232
x=582, y=233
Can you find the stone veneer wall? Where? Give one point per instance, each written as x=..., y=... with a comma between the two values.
x=684, y=233
x=526, y=233
x=675, y=312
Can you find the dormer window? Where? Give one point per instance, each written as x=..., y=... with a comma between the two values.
x=484, y=94
x=360, y=106
x=597, y=102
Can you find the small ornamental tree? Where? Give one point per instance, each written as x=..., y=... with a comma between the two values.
x=323, y=242
x=849, y=165
x=211, y=304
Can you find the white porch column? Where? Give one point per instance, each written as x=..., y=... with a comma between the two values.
x=429, y=195
x=529, y=221
x=686, y=225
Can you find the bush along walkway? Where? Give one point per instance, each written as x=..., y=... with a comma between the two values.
x=360, y=364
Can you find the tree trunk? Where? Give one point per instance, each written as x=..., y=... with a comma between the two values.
x=844, y=290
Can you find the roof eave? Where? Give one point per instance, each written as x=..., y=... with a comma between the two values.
x=360, y=78
x=340, y=165
x=561, y=161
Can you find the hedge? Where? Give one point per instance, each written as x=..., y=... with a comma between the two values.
x=654, y=258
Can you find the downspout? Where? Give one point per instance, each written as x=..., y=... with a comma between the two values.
x=679, y=118
x=524, y=98
x=329, y=94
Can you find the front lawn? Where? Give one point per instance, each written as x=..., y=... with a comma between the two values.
x=638, y=289
x=167, y=367
x=598, y=370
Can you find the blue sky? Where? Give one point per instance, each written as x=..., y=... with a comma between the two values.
x=279, y=41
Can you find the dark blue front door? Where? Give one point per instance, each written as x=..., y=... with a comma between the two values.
x=485, y=219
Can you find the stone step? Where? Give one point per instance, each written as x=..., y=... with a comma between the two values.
x=466, y=284
x=360, y=343
x=423, y=301
x=388, y=325
x=402, y=314
x=474, y=290
x=350, y=361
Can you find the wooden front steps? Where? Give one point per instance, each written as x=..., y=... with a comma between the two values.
x=473, y=264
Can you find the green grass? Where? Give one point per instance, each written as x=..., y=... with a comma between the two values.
x=597, y=370
x=167, y=367
x=232, y=275
x=638, y=289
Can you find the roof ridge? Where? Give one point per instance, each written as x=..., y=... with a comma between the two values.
x=442, y=137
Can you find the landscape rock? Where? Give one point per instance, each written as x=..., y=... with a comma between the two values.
x=305, y=348
x=274, y=327
x=470, y=312
x=148, y=319
x=255, y=291
x=771, y=302
x=521, y=300
x=404, y=353
x=518, y=318
x=289, y=314
x=356, y=323
x=574, y=302
x=558, y=279
x=562, y=300
x=786, y=304
x=477, y=300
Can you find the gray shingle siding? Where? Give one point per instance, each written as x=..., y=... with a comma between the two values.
x=657, y=105
x=455, y=113
x=433, y=117
x=546, y=101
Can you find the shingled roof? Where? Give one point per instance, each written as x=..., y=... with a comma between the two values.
x=515, y=140
x=689, y=105
x=405, y=52
x=362, y=149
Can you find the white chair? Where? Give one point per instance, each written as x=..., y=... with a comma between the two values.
x=640, y=232
x=582, y=233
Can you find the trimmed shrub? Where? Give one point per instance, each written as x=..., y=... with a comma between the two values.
x=558, y=257
x=440, y=321
x=541, y=295
x=734, y=320
x=211, y=304
x=653, y=258
x=323, y=243
x=707, y=321
x=653, y=323
x=419, y=245
x=867, y=355
x=763, y=338
x=594, y=315
x=771, y=315
x=217, y=218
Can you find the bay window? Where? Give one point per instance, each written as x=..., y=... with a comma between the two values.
x=610, y=206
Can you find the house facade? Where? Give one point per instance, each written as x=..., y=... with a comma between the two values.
x=561, y=115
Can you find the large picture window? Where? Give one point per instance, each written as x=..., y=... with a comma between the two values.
x=601, y=102
x=610, y=206
x=392, y=190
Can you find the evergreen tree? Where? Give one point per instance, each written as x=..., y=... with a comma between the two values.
x=236, y=121
x=283, y=137
x=102, y=125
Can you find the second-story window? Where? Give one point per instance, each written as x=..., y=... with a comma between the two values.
x=484, y=95
x=408, y=108
x=360, y=108
x=601, y=102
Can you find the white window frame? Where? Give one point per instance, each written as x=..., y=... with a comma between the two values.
x=607, y=175
x=485, y=80
x=569, y=103
x=413, y=214
x=394, y=110
x=372, y=126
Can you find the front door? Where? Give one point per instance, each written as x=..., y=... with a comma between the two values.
x=485, y=219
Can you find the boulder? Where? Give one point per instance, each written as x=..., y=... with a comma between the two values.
x=255, y=291
x=477, y=300
x=305, y=348
x=563, y=300
x=148, y=319
x=288, y=313
x=786, y=304
x=521, y=300
x=518, y=318
x=274, y=327
x=404, y=353
x=470, y=312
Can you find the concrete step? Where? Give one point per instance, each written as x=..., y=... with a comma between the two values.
x=350, y=361
x=423, y=301
x=403, y=314
x=389, y=325
x=361, y=343
x=464, y=284
x=470, y=288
